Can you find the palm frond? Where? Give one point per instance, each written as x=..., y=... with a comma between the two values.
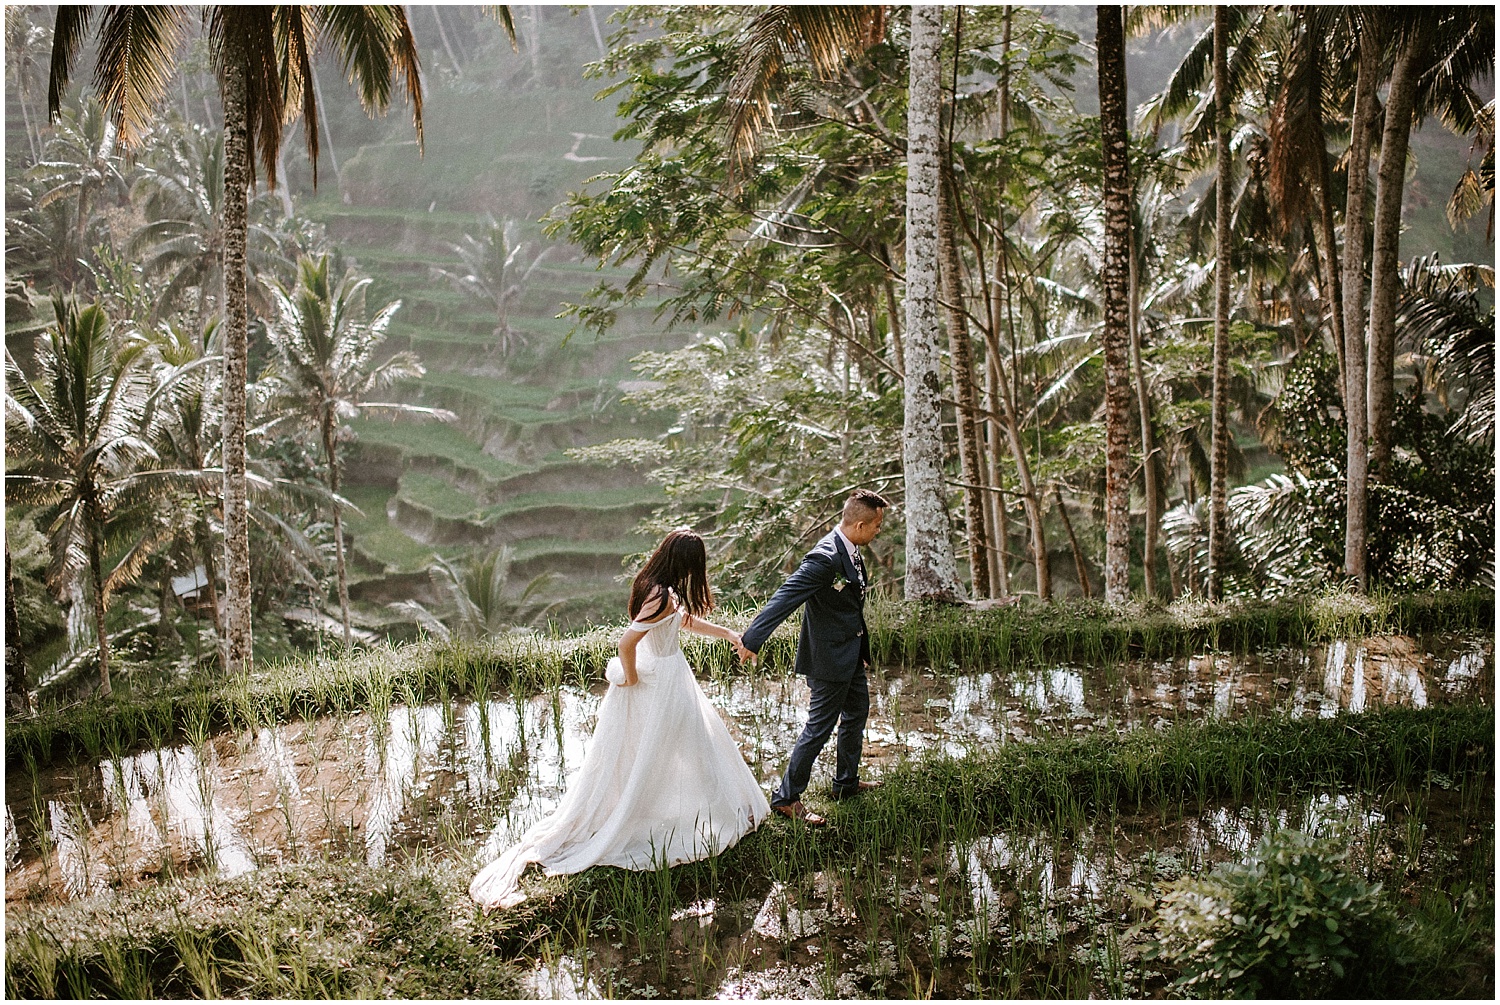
x=826, y=33
x=68, y=33
x=137, y=43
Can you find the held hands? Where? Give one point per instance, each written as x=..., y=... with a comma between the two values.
x=745, y=655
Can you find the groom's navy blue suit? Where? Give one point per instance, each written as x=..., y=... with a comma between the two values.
x=832, y=652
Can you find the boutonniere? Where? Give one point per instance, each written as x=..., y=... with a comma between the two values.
x=839, y=582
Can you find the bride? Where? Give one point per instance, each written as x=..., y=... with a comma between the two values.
x=662, y=782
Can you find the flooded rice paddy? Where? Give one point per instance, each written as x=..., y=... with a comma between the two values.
x=463, y=779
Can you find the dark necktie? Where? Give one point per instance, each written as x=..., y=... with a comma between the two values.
x=859, y=567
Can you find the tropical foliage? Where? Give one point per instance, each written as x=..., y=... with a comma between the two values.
x=1218, y=374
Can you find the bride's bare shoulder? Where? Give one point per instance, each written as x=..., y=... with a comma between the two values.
x=657, y=606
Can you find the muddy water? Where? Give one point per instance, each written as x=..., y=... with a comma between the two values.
x=464, y=779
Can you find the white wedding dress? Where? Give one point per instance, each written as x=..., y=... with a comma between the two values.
x=662, y=782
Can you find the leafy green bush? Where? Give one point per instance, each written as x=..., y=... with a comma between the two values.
x=1285, y=923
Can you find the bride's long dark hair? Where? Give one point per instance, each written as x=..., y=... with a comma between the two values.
x=679, y=564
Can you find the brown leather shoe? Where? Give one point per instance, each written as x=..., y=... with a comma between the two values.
x=797, y=811
x=863, y=787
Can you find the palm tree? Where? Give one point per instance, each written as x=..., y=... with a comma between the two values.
x=1218, y=493
x=56, y=210
x=1357, y=459
x=325, y=348
x=477, y=596
x=76, y=449
x=263, y=59
x=186, y=437
x=1385, y=257
x=182, y=196
x=81, y=163
x=1442, y=52
x=827, y=33
x=1115, y=283
x=495, y=273
x=931, y=571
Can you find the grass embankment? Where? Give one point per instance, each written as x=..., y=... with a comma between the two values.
x=325, y=928
x=945, y=639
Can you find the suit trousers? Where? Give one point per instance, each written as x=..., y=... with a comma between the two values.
x=846, y=704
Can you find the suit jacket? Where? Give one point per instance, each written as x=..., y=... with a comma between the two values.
x=834, y=643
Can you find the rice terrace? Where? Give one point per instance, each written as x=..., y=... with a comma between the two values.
x=860, y=501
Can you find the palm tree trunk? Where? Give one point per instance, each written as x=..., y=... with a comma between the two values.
x=16, y=701
x=333, y=159
x=962, y=356
x=931, y=571
x=598, y=35
x=1148, y=437
x=338, y=527
x=1218, y=499
x=1357, y=467
x=1115, y=286
x=1080, y=566
x=437, y=16
x=166, y=629
x=1332, y=290
x=236, y=361
x=96, y=576
x=1385, y=260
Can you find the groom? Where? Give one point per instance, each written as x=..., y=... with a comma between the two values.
x=833, y=651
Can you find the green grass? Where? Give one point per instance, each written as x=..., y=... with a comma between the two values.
x=375, y=538
x=426, y=670
x=438, y=495
x=1092, y=632
x=585, y=501
x=533, y=547
x=433, y=439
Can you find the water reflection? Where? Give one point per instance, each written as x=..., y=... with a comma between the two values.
x=468, y=778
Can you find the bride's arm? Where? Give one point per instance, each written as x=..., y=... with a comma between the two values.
x=700, y=627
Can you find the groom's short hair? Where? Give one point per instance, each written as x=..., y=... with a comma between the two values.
x=863, y=504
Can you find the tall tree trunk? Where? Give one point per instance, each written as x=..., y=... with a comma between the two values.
x=236, y=361
x=1357, y=468
x=437, y=16
x=16, y=701
x=995, y=501
x=1332, y=290
x=1218, y=493
x=1115, y=286
x=931, y=571
x=1007, y=18
x=598, y=35
x=333, y=159
x=96, y=577
x=1148, y=435
x=1031, y=501
x=166, y=629
x=1080, y=566
x=1000, y=532
x=1385, y=260
x=329, y=451
x=961, y=351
